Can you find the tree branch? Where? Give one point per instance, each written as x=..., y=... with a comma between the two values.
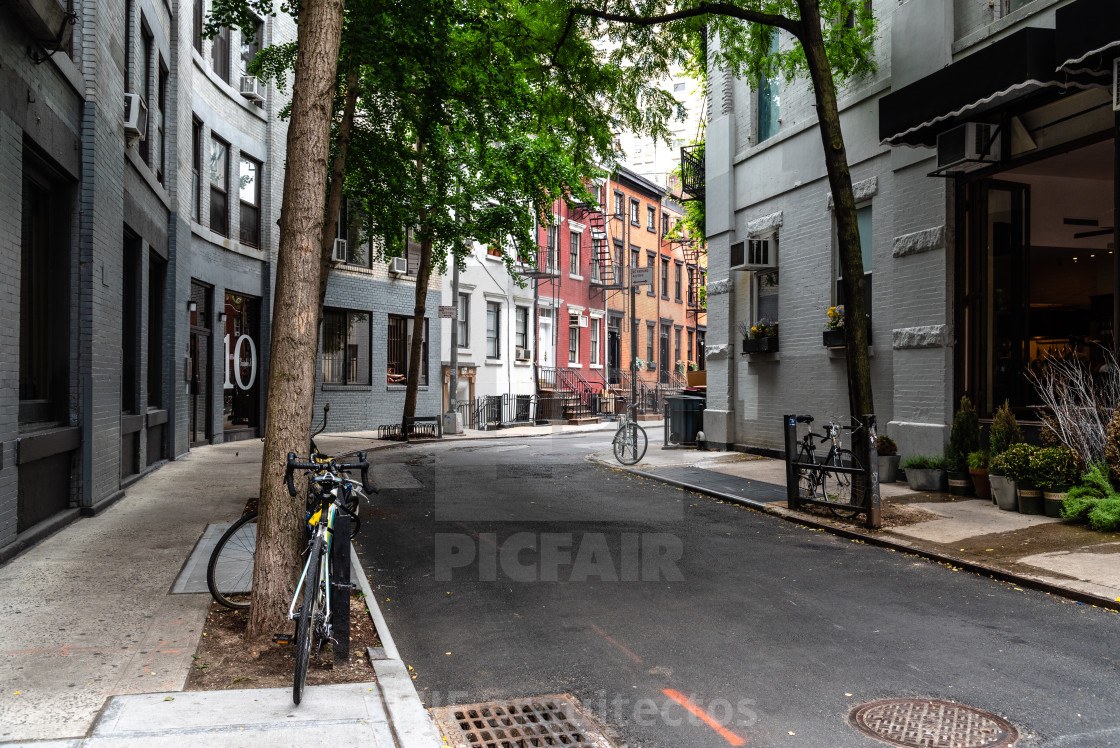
x=718, y=9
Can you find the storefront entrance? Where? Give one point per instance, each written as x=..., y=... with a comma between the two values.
x=1038, y=273
x=241, y=344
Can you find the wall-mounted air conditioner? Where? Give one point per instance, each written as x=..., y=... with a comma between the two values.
x=755, y=254
x=338, y=254
x=398, y=266
x=251, y=88
x=135, y=116
x=583, y=320
x=522, y=354
x=968, y=147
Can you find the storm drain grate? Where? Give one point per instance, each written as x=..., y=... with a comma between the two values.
x=922, y=723
x=520, y=723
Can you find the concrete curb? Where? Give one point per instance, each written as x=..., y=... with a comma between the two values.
x=409, y=720
x=896, y=545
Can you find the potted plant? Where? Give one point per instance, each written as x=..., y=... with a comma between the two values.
x=1020, y=461
x=964, y=437
x=640, y=364
x=1057, y=470
x=925, y=473
x=1005, y=430
x=888, y=459
x=762, y=337
x=834, y=328
x=978, y=469
x=1003, y=485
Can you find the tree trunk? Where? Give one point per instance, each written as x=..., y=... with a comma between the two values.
x=415, y=351
x=860, y=400
x=337, y=182
x=294, y=343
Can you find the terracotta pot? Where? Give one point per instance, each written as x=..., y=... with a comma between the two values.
x=1003, y=490
x=980, y=483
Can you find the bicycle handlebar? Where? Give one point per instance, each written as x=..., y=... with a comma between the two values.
x=294, y=464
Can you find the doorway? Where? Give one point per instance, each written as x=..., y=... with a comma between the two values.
x=545, y=339
x=614, y=350
x=200, y=372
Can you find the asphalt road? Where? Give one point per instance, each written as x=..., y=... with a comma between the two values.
x=517, y=568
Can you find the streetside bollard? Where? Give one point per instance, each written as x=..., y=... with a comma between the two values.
x=873, y=513
x=340, y=588
x=789, y=424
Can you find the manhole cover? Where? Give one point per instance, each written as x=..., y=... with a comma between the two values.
x=519, y=723
x=932, y=724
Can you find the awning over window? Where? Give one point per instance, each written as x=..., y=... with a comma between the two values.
x=1088, y=36
x=1008, y=70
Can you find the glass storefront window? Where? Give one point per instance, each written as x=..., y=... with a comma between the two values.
x=242, y=366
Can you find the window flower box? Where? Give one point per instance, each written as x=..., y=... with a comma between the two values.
x=834, y=338
x=766, y=344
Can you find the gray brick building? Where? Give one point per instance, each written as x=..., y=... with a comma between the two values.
x=984, y=258
x=136, y=292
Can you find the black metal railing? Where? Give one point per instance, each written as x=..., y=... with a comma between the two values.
x=692, y=170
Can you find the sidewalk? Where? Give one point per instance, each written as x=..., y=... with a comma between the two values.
x=95, y=637
x=1031, y=551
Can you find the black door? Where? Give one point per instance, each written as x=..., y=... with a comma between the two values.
x=663, y=369
x=614, y=351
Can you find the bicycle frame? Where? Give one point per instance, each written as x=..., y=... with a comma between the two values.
x=323, y=576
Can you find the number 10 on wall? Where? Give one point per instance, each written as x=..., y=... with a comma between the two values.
x=234, y=362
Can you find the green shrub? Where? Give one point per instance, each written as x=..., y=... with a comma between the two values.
x=979, y=459
x=1005, y=430
x=1105, y=516
x=1094, y=500
x=964, y=437
x=1055, y=466
x=922, y=462
x=886, y=446
x=1016, y=462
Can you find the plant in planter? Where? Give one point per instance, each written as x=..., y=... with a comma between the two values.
x=888, y=459
x=834, y=327
x=762, y=337
x=964, y=438
x=925, y=473
x=978, y=469
x=640, y=364
x=1003, y=485
x=1020, y=464
x=1005, y=430
x=1056, y=470
x=1094, y=500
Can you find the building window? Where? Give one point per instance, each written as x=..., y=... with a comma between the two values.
x=649, y=342
x=596, y=258
x=651, y=218
x=652, y=289
x=521, y=336
x=618, y=204
x=635, y=206
x=249, y=49
x=399, y=347
x=493, y=330
x=677, y=281
x=766, y=297
x=677, y=345
x=146, y=43
x=635, y=253
x=573, y=252
x=664, y=277
x=219, y=54
x=199, y=13
x=593, y=357
x=346, y=347
x=573, y=338
x=664, y=224
x=219, y=186
x=464, y=321
x=161, y=117
x=250, y=189
x=196, y=170
x=44, y=314
x=863, y=219
x=157, y=280
x=553, y=238
x=688, y=352
x=769, y=100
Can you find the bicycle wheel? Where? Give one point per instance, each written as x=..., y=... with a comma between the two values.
x=306, y=626
x=843, y=501
x=630, y=444
x=229, y=574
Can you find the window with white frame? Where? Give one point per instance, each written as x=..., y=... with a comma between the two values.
x=593, y=356
x=573, y=338
x=464, y=320
x=521, y=329
x=493, y=330
x=651, y=218
x=573, y=252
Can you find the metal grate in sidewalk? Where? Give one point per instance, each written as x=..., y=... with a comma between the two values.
x=520, y=723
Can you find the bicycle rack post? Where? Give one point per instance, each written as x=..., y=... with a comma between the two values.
x=789, y=424
x=340, y=588
x=871, y=501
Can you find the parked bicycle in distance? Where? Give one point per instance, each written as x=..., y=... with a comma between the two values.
x=829, y=482
x=630, y=440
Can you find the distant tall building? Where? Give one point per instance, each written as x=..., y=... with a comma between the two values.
x=654, y=159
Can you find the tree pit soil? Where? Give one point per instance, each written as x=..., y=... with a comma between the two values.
x=224, y=660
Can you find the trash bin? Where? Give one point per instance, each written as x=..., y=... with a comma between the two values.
x=686, y=415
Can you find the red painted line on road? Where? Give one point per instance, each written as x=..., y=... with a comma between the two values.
x=724, y=733
x=618, y=646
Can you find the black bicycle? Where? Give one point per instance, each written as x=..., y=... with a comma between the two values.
x=818, y=480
